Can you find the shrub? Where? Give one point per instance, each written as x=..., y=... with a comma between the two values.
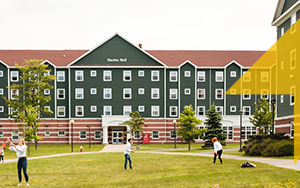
x=285, y=148
x=255, y=150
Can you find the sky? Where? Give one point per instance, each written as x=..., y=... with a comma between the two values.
x=156, y=24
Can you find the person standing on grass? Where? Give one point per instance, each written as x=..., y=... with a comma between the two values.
x=22, y=160
x=218, y=150
x=127, y=154
x=1, y=154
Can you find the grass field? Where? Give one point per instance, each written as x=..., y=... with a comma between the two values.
x=150, y=170
x=244, y=155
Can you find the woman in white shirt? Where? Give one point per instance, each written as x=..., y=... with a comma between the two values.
x=1, y=154
x=218, y=150
x=22, y=160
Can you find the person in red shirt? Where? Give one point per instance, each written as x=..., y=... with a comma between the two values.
x=4, y=145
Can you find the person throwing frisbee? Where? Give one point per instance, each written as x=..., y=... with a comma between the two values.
x=218, y=150
x=127, y=154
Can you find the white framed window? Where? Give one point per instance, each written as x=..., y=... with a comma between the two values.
x=281, y=98
x=201, y=93
x=282, y=31
x=47, y=108
x=1, y=133
x=97, y=134
x=219, y=76
x=93, y=91
x=187, y=91
x=232, y=108
x=173, y=93
x=93, y=108
x=1, y=91
x=127, y=93
x=229, y=131
x=247, y=131
x=232, y=91
x=60, y=76
x=78, y=75
x=126, y=110
x=82, y=135
x=246, y=94
x=141, y=73
x=79, y=111
x=220, y=110
x=79, y=93
x=293, y=59
x=246, y=76
x=173, y=111
x=155, y=93
x=201, y=110
x=264, y=93
x=61, y=133
x=15, y=135
x=1, y=73
x=61, y=111
x=187, y=73
x=293, y=93
x=47, y=133
x=47, y=73
x=1, y=109
x=126, y=75
x=155, y=134
x=264, y=76
x=14, y=93
x=219, y=93
x=247, y=110
x=93, y=73
x=107, y=93
x=173, y=76
x=293, y=21
x=14, y=76
x=137, y=135
x=172, y=134
x=232, y=73
x=141, y=108
x=201, y=76
x=107, y=76
x=141, y=91
x=107, y=110
x=292, y=129
x=154, y=75
x=60, y=93
x=47, y=92
x=155, y=110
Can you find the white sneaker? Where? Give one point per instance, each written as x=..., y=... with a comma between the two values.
x=27, y=184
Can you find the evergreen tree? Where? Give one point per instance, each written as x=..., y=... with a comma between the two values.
x=136, y=123
x=188, y=125
x=214, y=127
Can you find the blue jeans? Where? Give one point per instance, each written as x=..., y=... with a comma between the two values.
x=22, y=163
x=127, y=157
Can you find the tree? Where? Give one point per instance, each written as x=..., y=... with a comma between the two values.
x=135, y=123
x=188, y=125
x=34, y=79
x=262, y=117
x=214, y=127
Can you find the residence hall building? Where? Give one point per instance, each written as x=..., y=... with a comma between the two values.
x=98, y=88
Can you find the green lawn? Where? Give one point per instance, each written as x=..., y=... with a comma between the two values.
x=236, y=152
x=150, y=170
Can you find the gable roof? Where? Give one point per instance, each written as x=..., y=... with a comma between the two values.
x=284, y=9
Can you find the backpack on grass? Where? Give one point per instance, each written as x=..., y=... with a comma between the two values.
x=247, y=165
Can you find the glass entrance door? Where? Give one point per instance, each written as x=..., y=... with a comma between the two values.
x=116, y=136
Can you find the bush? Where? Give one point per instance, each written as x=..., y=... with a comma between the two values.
x=285, y=148
x=255, y=150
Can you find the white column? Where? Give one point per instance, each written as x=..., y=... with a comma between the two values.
x=105, y=135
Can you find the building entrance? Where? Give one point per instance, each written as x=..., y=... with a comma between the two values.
x=116, y=136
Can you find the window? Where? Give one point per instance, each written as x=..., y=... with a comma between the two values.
x=232, y=108
x=78, y=75
x=47, y=91
x=61, y=111
x=93, y=91
x=293, y=59
x=1, y=91
x=199, y=137
x=61, y=133
x=1, y=133
x=141, y=73
x=155, y=93
x=107, y=76
x=154, y=75
x=14, y=76
x=187, y=73
x=155, y=110
x=1, y=109
x=187, y=91
x=220, y=109
x=107, y=94
x=219, y=76
x=201, y=76
x=247, y=110
x=173, y=93
x=137, y=134
x=172, y=134
x=79, y=93
x=47, y=108
x=292, y=129
x=93, y=73
x=60, y=93
x=281, y=98
x=47, y=133
x=219, y=93
x=15, y=135
x=201, y=93
x=82, y=134
x=155, y=134
x=173, y=111
x=282, y=31
x=60, y=76
x=126, y=75
x=264, y=93
x=246, y=76
x=126, y=110
x=232, y=91
x=107, y=110
x=246, y=93
x=229, y=131
x=14, y=93
x=293, y=21
x=97, y=134
x=47, y=73
x=79, y=111
x=248, y=131
x=173, y=76
x=201, y=110
x=93, y=108
x=141, y=108
x=264, y=76
x=293, y=91
x=141, y=91
x=232, y=73
x=1, y=73
x=126, y=93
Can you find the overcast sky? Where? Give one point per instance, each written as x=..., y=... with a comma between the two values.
x=157, y=24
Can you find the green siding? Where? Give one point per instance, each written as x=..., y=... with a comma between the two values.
x=189, y=83
x=3, y=85
x=204, y=85
x=288, y=4
x=52, y=94
x=232, y=100
x=171, y=85
x=63, y=85
x=216, y=85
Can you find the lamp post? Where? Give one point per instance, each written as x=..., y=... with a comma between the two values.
x=174, y=121
x=241, y=114
x=273, y=101
x=72, y=122
x=89, y=135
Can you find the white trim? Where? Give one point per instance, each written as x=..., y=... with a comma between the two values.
x=218, y=74
x=110, y=93
x=1, y=108
x=47, y=134
x=176, y=110
x=141, y=73
x=152, y=110
x=141, y=108
x=235, y=62
x=153, y=134
x=198, y=94
x=172, y=92
x=124, y=93
x=124, y=77
x=216, y=94
x=64, y=108
x=152, y=76
x=232, y=74
x=95, y=135
x=176, y=76
x=11, y=76
x=85, y=135
x=171, y=134
x=152, y=92
x=11, y=93
x=110, y=76
x=1, y=73
x=64, y=75
x=198, y=110
x=95, y=108
x=46, y=91
x=187, y=91
x=77, y=91
x=292, y=88
x=76, y=73
x=244, y=91
x=91, y=73
x=141, y=91
x=187, y=61
x=232, y=108
x=278, y=20
x=199, y=74
x=61, y=131
x=1, y=91
x=93, y=89
x=187, y=73
x=244, y=110
x=124, y=110
x=110, y=111
x=221, y=109
x=76, y=111
x=63, y=94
